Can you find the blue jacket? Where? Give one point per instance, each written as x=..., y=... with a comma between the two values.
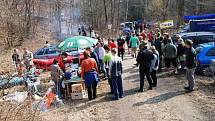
x=90, y=78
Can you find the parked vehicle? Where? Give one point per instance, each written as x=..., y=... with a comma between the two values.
x=206, y=25
x=44, y=57
x=198, y=37
x=205, y=55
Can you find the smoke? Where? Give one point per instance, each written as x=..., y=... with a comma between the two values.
x=67, y=21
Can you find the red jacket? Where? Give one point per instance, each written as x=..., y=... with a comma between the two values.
x=61, y=63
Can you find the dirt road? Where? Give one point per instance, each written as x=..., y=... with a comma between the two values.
x=167, y=102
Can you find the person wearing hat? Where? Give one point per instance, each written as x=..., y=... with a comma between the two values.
x=144, y=58
x=190, y=65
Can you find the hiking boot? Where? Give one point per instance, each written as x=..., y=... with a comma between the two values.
x=150, y=88
x=187, y=88
x=139, y=90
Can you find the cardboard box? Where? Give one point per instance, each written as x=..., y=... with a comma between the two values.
x=79, y=96
x=77, y=88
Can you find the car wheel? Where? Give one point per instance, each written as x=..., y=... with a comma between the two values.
x=207, y=72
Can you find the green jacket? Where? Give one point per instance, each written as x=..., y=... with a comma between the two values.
x=107, y=58
x=170, y=51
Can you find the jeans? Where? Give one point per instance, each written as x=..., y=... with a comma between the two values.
x=58, y=87
x=102, y=67
x=117, y=86
x=109, y=80
x=145, y=72
x=190, y=78
x=154, y=77
x=92, y=91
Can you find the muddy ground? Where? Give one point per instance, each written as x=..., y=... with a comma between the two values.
x=167, y=102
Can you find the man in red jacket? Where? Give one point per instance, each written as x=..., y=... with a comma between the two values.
x=62, y=61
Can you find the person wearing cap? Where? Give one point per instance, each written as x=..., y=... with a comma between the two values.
x=115, y=73
x=134, y=42
x=89, y=72
x=144, y=58
x=190, y=65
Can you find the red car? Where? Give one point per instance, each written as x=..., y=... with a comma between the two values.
x=44, y=57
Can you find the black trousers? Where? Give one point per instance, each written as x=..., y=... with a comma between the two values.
x=121, y=52
x=92, y=90
x=160, y=64
x=109, y=80
x=144, y=72
x=154, y=77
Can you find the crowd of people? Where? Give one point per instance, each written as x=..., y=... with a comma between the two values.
x=151, y=51
x=154, y=52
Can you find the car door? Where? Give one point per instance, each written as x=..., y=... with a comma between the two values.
x=52, y=53
x=40, y=54
x=210, y=55
x=201, y=39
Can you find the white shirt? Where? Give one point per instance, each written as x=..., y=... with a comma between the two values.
x=101, y=53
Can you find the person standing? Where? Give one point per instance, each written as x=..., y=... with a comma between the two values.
x=56, y=76
x=144, y=59
x=93, y=55
x=115, y=72
x=166, y=37
x=28, y=58
x=15, y=57
x=101, y=52
x=159, y=47
x=150, y=36
x=180, y=53
x=127, y=39
x=143, y=34
x=190, y=65
x=62, y=61
x=89, y=72
x=154, y=65
x=107, y=59
x=111, y=44
x=121, y=46
x=170, y=56
x=134, y=42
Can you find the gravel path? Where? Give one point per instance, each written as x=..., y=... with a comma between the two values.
x=168, y=102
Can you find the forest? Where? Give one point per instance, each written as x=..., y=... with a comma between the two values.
x=56, y=19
